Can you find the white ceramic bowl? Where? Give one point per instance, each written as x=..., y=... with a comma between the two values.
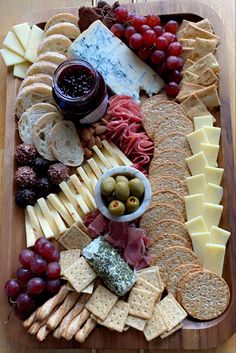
x=130, y=173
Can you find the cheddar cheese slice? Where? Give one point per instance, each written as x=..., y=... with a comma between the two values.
x=196, y=184
x=196, y=225
x=214, y=258
x=194, y=205
x=218, y=236
x=199, y=241
x=197, y=163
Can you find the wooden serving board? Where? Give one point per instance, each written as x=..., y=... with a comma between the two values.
x=195, y=334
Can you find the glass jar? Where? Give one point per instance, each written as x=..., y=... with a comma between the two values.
x=80, y=92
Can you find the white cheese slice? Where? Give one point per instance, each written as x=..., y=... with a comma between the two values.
x=101, y=156
x=213, y=134
x=91, y=175
x=195, y=139
x=218, y=236
x=74, y=213
x=213, y=175
x=196, y=225
x=193, y=205
x=85, y=179
x=211, y=214
x=34, y=221
x=56, y=202
x=110, y=158
x=35, y=39
x=120, y=155
x=82, y=204
x=11, y=42
x=58, y=220
x=197, y=163
x=66, y=190
x=22, y=31
x=47, y=214
x=211, y=153
x=21, y=69
x=199, y=241
x=94, y=167
x=202, y=121
x=99, y=163
x=214, y=258
x=11, y=58
x=30, y=234
x=85, y=193
x=47, y=231
x=112, y=152
x=213, y=193
x=196, y=184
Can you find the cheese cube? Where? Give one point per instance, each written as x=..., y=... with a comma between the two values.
x=196, y=184
x=214, y=258
x=218, y=236
x=213, y=193
x=199, y=241
x=211, y=153
x=22, y=31
x=11, y=58
x=202, y=121
x=35, y=39
x=213, y=175
x=21, y=69
x=195, y=139
x=197, y=163
x=196, y=225
x=213, y=134
x=211, y=214
x=11, y=42
x=193, y=205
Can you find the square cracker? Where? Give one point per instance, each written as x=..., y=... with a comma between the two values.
x=207, y=78
x=135, y=322
x=172, y=311
x=203, y=24
x=101, y=302
x=152, y=276
x=207, y=61
x=67, y=258
x=89, y=289
x=193, y=106
x=203, y=47
x=145, y=285
x=186, y=89
x=80, y=274
x=74, y=238
x=141, y=303
x=187, y=53
x=155, y=326
x=116, y=319
x=168, y=333
x=193, y=31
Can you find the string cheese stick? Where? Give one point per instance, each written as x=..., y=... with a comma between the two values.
x=75, y=324
x=88, y=327
x=28, y=322
x=42, y=333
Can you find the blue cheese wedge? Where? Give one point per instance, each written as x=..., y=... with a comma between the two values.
x=124, y=72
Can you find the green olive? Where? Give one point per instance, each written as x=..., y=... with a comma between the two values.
x=136, y=187
x=116, y=208
x=122, y=178
x=108, y=186
x=122, y=191
x=132, y=204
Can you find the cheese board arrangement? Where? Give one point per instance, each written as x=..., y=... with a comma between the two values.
x=119, y=217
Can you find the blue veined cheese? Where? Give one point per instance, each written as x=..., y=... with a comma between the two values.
x=124, y=72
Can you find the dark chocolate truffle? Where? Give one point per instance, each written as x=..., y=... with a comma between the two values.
x=25, y=177
x=58, y=172
x=44, y=187
x=41, y=166
x=25, y=197
x=25, y=154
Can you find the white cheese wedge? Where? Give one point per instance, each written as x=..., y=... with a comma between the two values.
x=57, y=218
x=94, y=167
x=218, y=236
x=91, y=175
x=35, y=39
x=214, y=258
x=82, y=204
x=213, y=193
x=56, y=202
x=11, y=58
x=196, y=225
x=30, y=234
x=84, y=192
x=196, y=184
x=202, y=121
x=120, y=155
x=85, y=179
x=213, y=134
x=47, y=214
x=34, y=221
x=211, y=214
x=195, y=139
x=71, y=197
x=110, y=158
x=211, y=153
x=47, y=231
x=197, y=163
x=21, y=69
x=194, y=205
x=199, y=241
x=74, y=213
x=11, y=42
x=101, y=157
x=213, y=175
x=22, y=31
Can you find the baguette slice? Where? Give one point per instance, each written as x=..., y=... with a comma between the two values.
x=65, y=144
x=37, y=78
x=55, y=42
x=31, y=117
x=30, y=95
x=69, y=30
x=42, y=132
x=42, y=67
x=60, y=18
x=52, y=57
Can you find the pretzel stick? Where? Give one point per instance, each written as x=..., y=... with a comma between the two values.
x=28, y=322
x=42, y=333
x=46, y=308
x=34, y=328
x=75, y=324
x=88, y=327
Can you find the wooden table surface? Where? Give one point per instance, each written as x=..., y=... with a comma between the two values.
x=11, y=12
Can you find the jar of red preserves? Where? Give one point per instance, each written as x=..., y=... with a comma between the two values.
x=80, y=92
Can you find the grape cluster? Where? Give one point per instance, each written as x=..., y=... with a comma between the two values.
x=154, y=43
x=39, y=276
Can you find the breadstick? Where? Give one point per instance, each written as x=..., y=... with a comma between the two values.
x=75, y=324
x=28, y=322
x=88, y=327
x=47, y=307
x=42, y=333
x=34, y=328
x=55, y=319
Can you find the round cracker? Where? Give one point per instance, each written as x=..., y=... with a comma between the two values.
x=164, y=241
x=170, y=197
x=157, y=98
x=38, y=78
x=171, y=124
x=169, y=169
x=69, y=30
x=60, y=18
x=159, y=183
x=170, y=155
x=204, y=295
x=174, y=140
x=172, y=226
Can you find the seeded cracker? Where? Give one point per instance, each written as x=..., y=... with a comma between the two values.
x=170, y=124
x=74, y=238
x=141, y=303
x=145, y=285
x=160, y=183
x=170, y=155
x=67, y=258
x=101, y=302
x=116, y=319
x=175, y=140
x=135, y=322
x=162, y=242
x=170, y=197
x=152, y=276
x=171, y=311
x=155, y=326
x=169, y=226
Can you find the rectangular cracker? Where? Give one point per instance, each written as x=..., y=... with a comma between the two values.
x=101, y=302
x=145, y=285
x=116, y=319
x=193, y=31
x=74, y=238
x=207, y=78
x=203, y=47
x=209, y=96
x=67, y=258
x=141, y=303
x=80, y=274
x=193, y=106
x=168, y=333
x=203, y=24
x=189, y=77
x=155, y=326
x=135, y=322
x=171, y=311
x=207, y=61
x=187, y=89
x=152, y=276
x=187, y=42
x=187, y=53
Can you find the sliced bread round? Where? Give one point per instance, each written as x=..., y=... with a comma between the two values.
x=69, y=30
x=55, y=42
x=42, y=132
x=60, y=18
x=65, y=144
x=31, y=117
x=42, y=67
x=30, y=95
x=38, y=78
x=52, y=57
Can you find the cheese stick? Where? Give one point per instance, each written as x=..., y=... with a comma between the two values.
x=88, y=327
x=42, y=333
x=75, y=324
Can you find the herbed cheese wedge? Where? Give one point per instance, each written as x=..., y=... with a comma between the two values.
x=35, y=39
x=214, y=258
x=22, y=31
x=11, y=42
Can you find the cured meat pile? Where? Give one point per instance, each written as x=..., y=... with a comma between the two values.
x=130, y=241
x=125, y=130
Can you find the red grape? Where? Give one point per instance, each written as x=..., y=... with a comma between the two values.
x=118, y=30
x=129, y=31
x=38, y=265
x=153, y=20
x=159, y=30
x=39, y=242
x=180, y=63
x=56, y=255
x=171, y=26
x=12, y=288
x=149, y=38
x=24, y=302
x=36, y=285
x=175, y=76
x=136, y=41
x=138, y=21
x=46, y=251
x=53, y=285
x=158, y=56
x=161, y=69
x=25, y=257
x=53, y=270
x=143, y=29
x=144, y=53
x=172, y=63
x=170, y=37
x=23, y=275
x=121, y=13
x=161, y=43
x=130, y=18
x=172, y=89
x=175, y=48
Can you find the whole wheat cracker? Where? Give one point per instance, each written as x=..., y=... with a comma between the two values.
x=155, y=326
x=157, y=98
x=174, y=140
x=171, y=226
x=164, y=241
x=159, y=183
x=170, y=155
x=169, y=169
x=141, y=283
x=170, y=197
